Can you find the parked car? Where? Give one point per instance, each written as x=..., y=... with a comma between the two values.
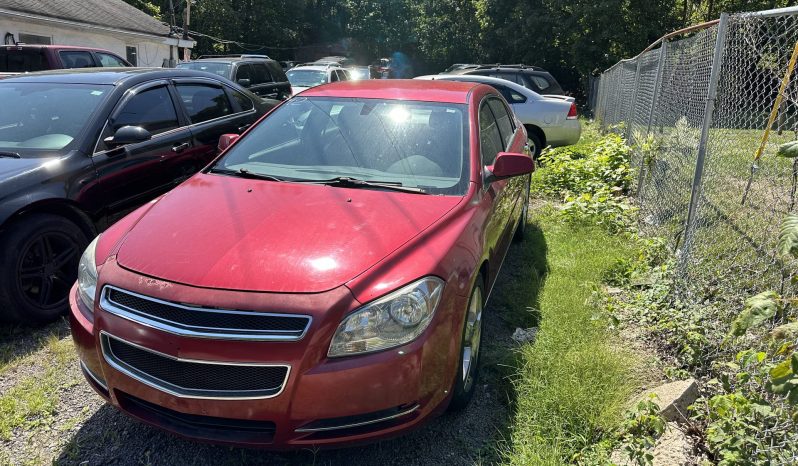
x=549, y=121
x=336, y=60
x=27, y=58
x=258, y=73
x=460, y=66
x=321, y=283
x=287, y=64
x=310, y=75
x=531, y=77
x=79, y=149
x=363, y=72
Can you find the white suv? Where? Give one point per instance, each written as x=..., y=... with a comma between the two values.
x=313, y=74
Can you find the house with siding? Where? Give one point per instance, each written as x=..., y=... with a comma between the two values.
x=109, y=24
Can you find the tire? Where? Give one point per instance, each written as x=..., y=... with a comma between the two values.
x=520, y=231
x=39, y=260
x=535, y=146
x=470, y=343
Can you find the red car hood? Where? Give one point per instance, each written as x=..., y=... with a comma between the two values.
x=232, y=233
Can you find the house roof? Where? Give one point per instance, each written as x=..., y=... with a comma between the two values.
x=115, y=14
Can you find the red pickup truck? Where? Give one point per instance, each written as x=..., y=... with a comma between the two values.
x=26, y=58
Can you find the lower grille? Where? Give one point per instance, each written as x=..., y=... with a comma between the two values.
x=194, y=379
x=197, y=426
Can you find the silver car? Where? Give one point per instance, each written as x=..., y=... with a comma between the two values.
x=549, y=120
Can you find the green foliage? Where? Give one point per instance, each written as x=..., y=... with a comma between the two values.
x=788, y=150
x=788, y=236
x=643, y=426
x=784, y=379
x=733, y=424
x=758, y=310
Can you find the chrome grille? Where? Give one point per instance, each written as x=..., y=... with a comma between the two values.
x=194, y=379
x=203, y=322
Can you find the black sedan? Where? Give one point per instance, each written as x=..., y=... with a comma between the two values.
x=80, y=149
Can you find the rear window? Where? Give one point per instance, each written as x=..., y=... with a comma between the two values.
x=222, y=69
x=21, y=61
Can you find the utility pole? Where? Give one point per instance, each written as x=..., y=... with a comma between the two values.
x=171, y=32
x=186, y=25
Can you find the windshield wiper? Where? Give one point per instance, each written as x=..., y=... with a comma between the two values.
x=244, y=173
x=347, y=182
x=10, y=155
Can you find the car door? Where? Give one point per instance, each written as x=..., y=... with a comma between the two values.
x=212, y=109
x=132, y=174
x=500, y=195
x=76, y=59
x=514, y=187
x=244, y=75
x=264, y=83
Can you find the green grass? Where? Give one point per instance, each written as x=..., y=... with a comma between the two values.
x=574, y=381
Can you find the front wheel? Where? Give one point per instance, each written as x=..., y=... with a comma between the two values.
x=470, y=344
x=39, y=257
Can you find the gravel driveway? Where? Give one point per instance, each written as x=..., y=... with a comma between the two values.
x=80, y=429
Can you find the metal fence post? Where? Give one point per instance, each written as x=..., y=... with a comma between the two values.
x=631, y=116
x=695, y=195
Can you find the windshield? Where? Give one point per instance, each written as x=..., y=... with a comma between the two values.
x=307, y=78
x=46, y=116
x=220, y=68
x=416, y=144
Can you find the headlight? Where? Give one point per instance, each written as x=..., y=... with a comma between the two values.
x=87, y=276
x=390, y=321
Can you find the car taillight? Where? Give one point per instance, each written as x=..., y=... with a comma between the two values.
x=572, y=112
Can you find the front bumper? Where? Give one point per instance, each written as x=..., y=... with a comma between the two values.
x=324, y=402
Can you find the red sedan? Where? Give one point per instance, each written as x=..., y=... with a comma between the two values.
x=322, y=282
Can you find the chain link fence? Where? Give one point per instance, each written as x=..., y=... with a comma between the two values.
x=695, y=108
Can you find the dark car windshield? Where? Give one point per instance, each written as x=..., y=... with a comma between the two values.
x=307, y=78
x=416, y=144
x=220, y=68
x=45, y=116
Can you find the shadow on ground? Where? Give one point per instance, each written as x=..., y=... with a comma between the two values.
x=18, y=341
x=472, y=436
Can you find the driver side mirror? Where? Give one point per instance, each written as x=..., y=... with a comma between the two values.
x=226, y=140
x=128, y=135
x=508, y=165
x=244, y=82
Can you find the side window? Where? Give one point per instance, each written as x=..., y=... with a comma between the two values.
x=262, y=75
x=490, y=141
x=152, y=109
x=204, y=102
x=503, y=120
x=510, y=95
x=334, y=76
x=77, y=59
x=106, y=59
x=540, y=82
x=512, y=77
x=243, y=101
x=345, y=75
x=245, y=72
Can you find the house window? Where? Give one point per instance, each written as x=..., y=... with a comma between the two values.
x=34, y=39
x=132, y=55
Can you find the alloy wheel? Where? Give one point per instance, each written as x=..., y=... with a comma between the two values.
x=47, y=269
x=472, y=338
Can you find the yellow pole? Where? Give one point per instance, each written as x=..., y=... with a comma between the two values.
x=777, y=104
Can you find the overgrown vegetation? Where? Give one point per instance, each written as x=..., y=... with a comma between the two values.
x=575, y=381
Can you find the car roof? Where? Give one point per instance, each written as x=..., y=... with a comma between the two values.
x=319, y=67
x=54, y=47
x=109, y=75
x=476, y=78
x=396, y=89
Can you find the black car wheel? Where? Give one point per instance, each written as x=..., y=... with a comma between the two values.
x=38, y=265
x=535, y=146
x=520, y=232
x=468, y=365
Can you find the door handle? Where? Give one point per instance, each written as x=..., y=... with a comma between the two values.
x=241, y=129
x=180, y=147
